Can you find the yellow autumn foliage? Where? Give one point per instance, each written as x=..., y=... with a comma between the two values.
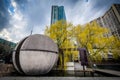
x=96, y=40
x=90, y=36
x=61, y=33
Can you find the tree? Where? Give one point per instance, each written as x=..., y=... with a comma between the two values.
x=115, y=48
x=95, y=39
x=4, y=51
x=61, y=33
x=90, y=36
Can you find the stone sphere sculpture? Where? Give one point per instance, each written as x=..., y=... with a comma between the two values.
x=35, y=55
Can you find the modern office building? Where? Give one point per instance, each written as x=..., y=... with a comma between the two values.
x=57, y=14
x=6, y=48
x=111, y=20
x=7, y=43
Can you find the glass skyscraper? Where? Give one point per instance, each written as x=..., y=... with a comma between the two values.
x=57, y=14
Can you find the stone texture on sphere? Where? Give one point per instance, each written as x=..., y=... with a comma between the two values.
x=39, y=42
x=35, y=55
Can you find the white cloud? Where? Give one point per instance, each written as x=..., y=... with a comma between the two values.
x=37, y=14
x=83, y=12
x=79, y=13
x=14, y=4
x=5, y=34
x=17, y=28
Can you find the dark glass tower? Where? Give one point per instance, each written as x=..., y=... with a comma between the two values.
x=57, y=14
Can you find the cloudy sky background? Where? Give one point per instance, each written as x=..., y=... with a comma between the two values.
x=19, y=17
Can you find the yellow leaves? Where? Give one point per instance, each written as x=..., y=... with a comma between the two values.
x=61, y=33
x=75, y=54
x=90, y=36
x=98, y=57
x=116, y=53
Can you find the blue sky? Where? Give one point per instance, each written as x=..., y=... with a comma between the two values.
x=18, y=17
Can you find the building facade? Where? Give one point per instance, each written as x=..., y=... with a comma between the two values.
x=57, y=14
x=7, y=43
x=111, y=20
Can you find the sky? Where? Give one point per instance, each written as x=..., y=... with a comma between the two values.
x=19, y=17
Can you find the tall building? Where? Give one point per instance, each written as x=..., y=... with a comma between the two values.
x=111, y=20
x=57, y=14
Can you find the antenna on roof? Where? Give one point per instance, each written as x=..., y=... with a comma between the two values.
x=31, y=30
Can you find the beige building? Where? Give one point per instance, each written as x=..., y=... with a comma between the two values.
x=111, y=20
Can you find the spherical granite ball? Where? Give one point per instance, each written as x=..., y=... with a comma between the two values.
x=35, y=55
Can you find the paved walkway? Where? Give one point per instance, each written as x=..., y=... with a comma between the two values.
x=110, y=72
x=60, y=78
x=78, y=66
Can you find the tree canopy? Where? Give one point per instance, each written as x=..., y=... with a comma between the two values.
x=96, y=40
x=60, y=32
x=90, y=36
